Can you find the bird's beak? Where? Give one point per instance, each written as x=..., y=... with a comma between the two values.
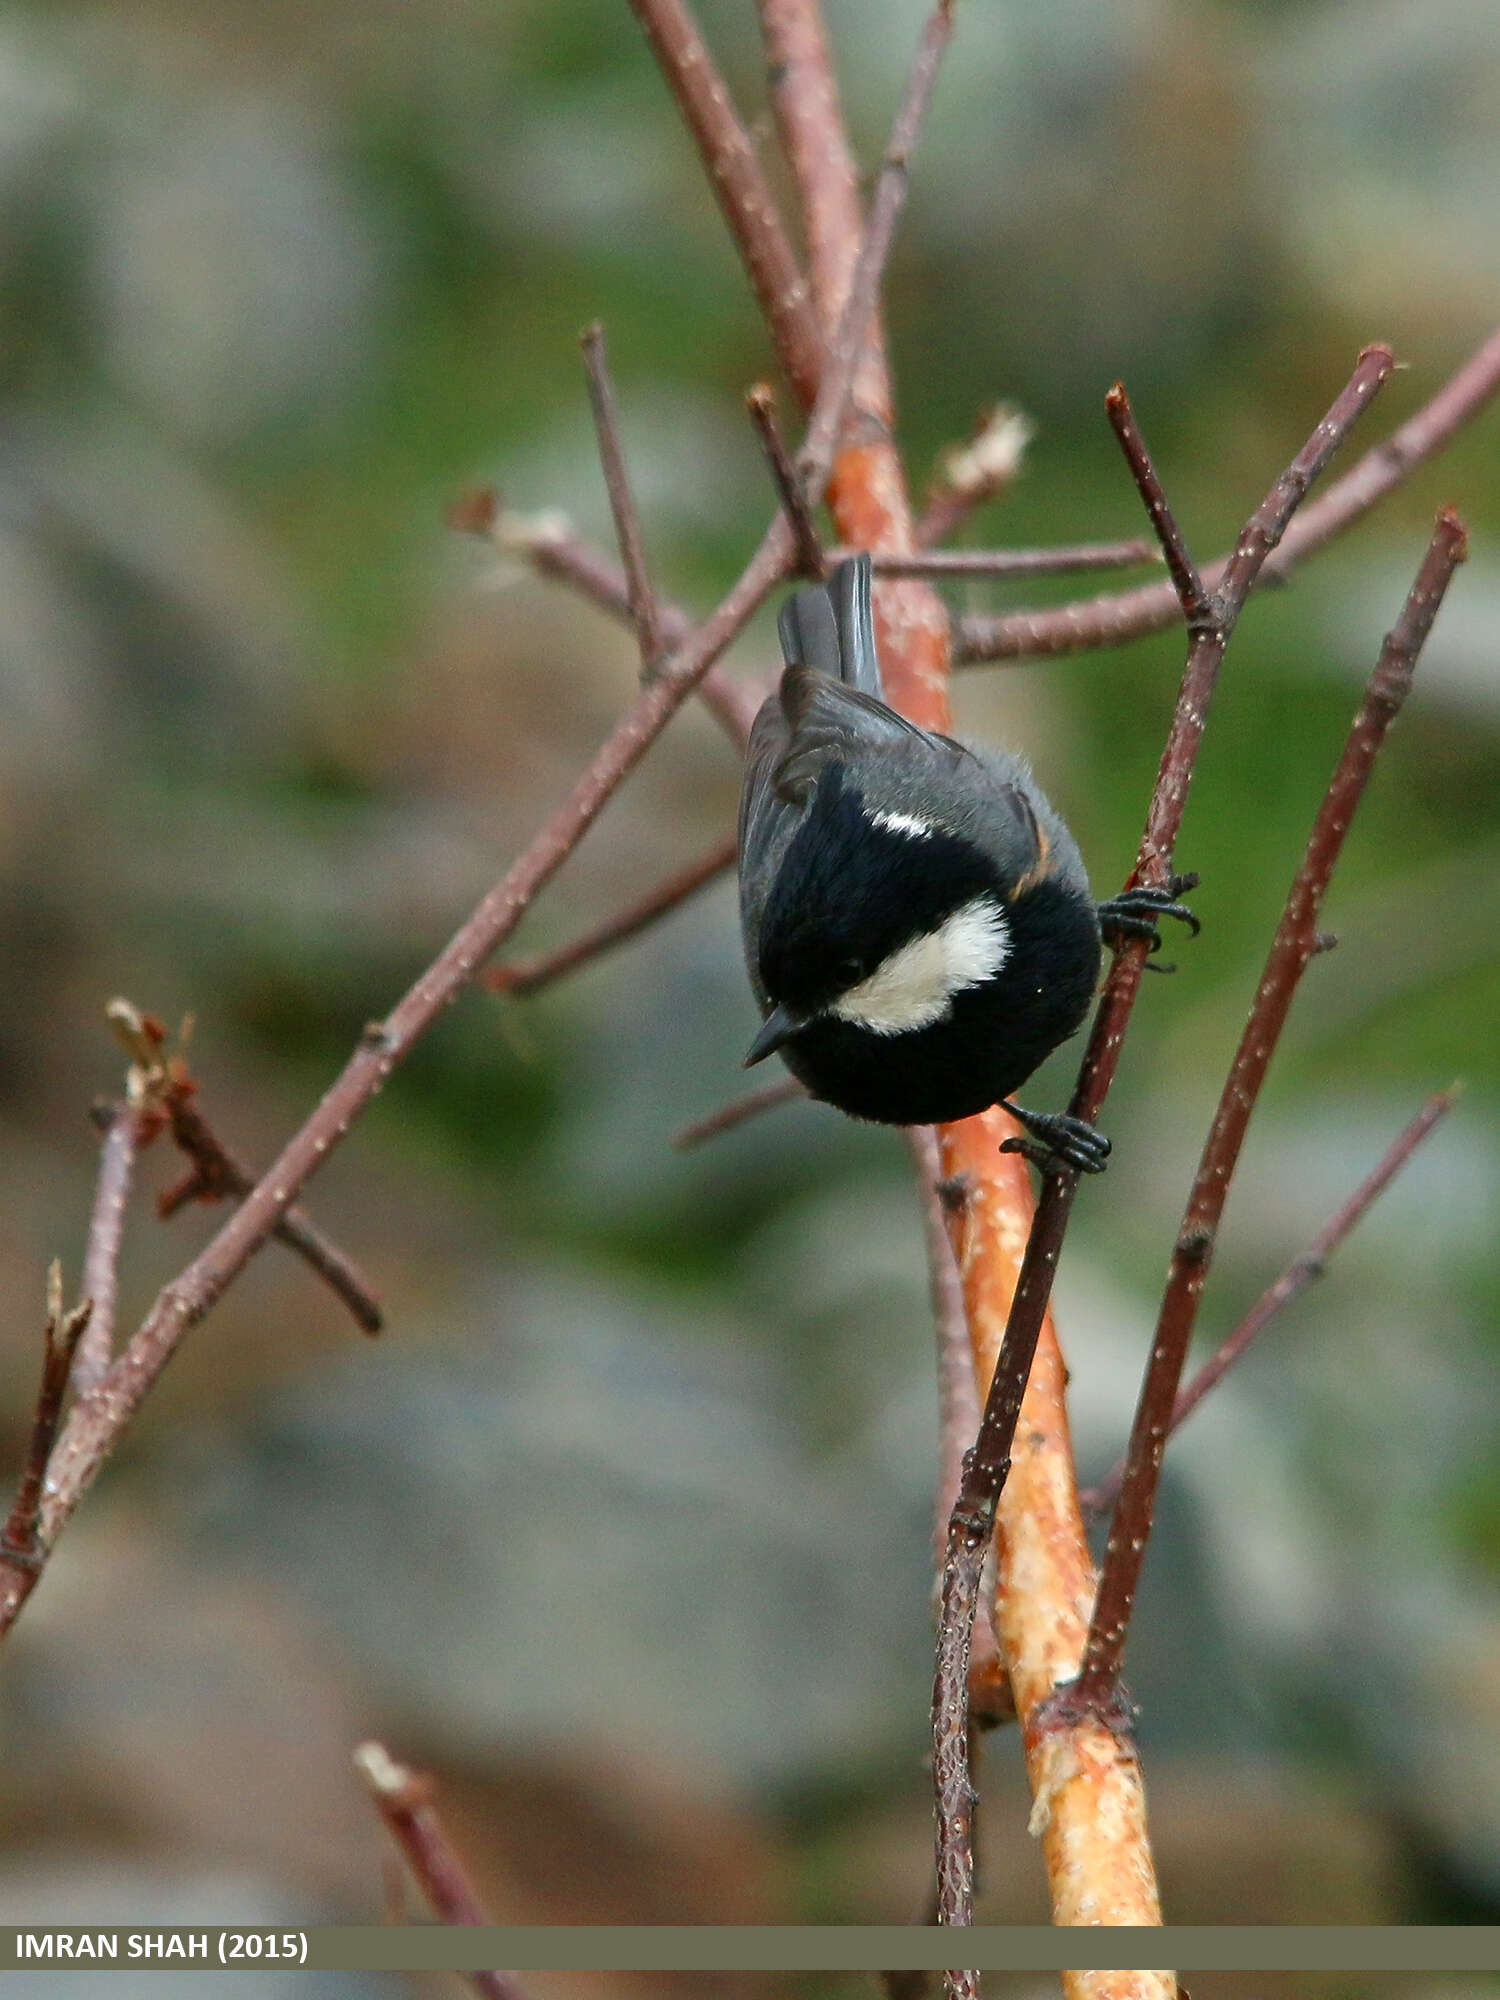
x=778, y=1026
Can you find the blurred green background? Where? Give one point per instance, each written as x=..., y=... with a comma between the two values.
x=623, y=1526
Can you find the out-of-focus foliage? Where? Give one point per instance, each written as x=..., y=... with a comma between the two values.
x=624, y=1522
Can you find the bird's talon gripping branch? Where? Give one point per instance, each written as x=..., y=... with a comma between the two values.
x=1058, y=1142
x=1136, y=913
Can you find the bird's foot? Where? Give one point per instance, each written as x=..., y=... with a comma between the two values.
x=1136, y=913
x=1058, y=1143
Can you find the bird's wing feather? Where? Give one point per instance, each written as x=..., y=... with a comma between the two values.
x=827, y=722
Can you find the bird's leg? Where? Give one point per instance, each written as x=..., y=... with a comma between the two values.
x=1057, y=1142
x=1136, y=913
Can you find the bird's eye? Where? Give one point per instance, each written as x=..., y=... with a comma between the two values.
x=851, y=971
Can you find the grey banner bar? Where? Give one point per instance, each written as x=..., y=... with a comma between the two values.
x=789, y=1948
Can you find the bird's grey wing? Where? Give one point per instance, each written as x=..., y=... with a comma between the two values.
x=1002, y=808
x=767, y=823
x=812, y=721
x=827, y=722
x=831, y=627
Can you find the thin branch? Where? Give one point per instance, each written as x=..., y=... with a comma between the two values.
x=1011, y=562
x=1303, y=1271
x=990, y=1696
x=1291, y=951
x=217, y=1174
x=404, y=1800
x=548, y=545
x=1118, y=617
x=762, y=407
x=120, y=1130
x=525, y=976
x=19, y=1544
x=162, y=1093
x=973, y=473
x=770, y=1096
x=1186, y=581
x=98, y=1421
x=640, y=592
x=744, y=194
x=988, y=1464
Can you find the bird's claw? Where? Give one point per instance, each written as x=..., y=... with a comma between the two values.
x=1058, y=1142
x=1136, y=913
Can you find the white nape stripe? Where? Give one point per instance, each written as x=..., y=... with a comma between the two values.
x=907, y=823
x=916, y=985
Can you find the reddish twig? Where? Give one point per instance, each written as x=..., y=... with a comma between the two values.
x=550, y=547
x=404, y=1800
x=217, y=1174
x=1186, y=581
x=1118, y=617
x=19, y=1542
x=100, y=1419
x=120, y=1138
x=973, y=473
x=1292, y=949
x=988, y=1464
x=990, y=1698
x=162, y=1094
x=1303, y=1271
x=1010, y=562
x=525, y=976
x=743, y=192
x=762, y=407
x=640, y=592
x=785, y=1090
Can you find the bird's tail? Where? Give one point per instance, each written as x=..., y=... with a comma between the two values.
x=830, y=627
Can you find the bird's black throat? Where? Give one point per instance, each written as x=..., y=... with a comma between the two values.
x=988, y=1044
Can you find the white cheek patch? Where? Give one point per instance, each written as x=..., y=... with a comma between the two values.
x=915, y=986
x=907, y=823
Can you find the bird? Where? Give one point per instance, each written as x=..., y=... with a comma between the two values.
x=918, y=925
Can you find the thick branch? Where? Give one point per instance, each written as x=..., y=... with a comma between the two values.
x=1068, y=1765
x=1293, y=948
x=743, y=192
x=810, y=122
